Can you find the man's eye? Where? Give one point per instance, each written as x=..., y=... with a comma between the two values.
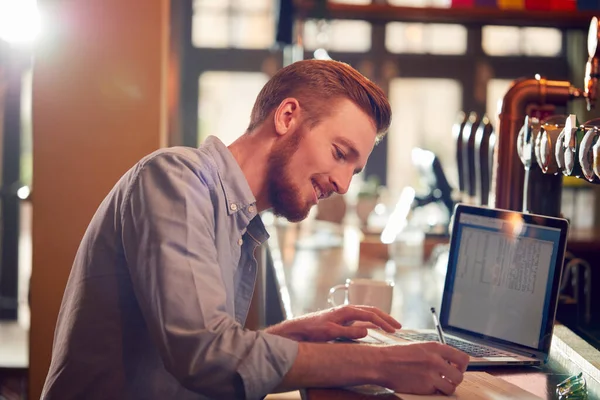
x=338, y=155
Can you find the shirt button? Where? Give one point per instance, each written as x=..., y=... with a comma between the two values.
x=233, y=207
x=240, y=242
x=251, y=209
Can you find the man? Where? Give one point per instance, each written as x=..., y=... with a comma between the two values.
x=161, y=284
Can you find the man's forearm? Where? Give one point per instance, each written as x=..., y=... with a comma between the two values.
x=419, y=368
x=331, y=365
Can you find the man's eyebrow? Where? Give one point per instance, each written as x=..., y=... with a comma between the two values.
x=351, y=149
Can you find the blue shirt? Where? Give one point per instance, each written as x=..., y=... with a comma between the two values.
x=161, y=286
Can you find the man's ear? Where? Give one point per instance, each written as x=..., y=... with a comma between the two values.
x=287, y=116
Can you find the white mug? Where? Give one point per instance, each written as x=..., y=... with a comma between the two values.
x=367, y=292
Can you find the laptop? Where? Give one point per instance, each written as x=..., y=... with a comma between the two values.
x=501, y=290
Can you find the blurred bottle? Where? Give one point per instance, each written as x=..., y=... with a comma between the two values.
x=462, y=3
x=511, y=4
x=537, y=4
x=585, y=5
x=563, y=5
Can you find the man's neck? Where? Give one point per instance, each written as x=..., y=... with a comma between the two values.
x=251, y=151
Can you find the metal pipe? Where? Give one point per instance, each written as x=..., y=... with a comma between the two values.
x=508, y=171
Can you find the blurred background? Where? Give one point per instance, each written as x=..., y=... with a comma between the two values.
x=88, y=88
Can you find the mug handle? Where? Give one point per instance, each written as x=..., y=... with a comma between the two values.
x=330, y=297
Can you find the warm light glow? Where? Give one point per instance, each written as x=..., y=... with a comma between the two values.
x=321, y=54
x=23, y=192
x=19, y=21
x=423, y=158
x=399, y=217
x=517, y=224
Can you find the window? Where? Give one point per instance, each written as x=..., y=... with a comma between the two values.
x=336, y=35
x=225, y=102
x=544, y=42
x=496, y=89
x=433, y=79
x=424, y=111
x=402, y=37
x=527, y=41
x=233, y=23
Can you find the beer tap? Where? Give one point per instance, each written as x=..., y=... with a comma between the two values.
x=573, y=135
x=550, y=131
x=457, y=131
x=559, y=154
x=586, y=150
x=468, y=156
x=592, y=67
x=596, y=163
x=484, y=159
x=541, y=191
x=508, y=175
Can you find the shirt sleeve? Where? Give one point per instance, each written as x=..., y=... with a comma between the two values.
x=168, y=234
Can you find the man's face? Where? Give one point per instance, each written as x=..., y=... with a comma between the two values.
x=311, y=164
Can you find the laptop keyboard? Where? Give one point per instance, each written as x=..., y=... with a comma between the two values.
x=472, y=349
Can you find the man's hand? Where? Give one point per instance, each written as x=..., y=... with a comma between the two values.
x=419, y=368
x=349, y=322
x=422, y=368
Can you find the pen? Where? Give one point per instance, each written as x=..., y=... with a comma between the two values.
x=436, y=322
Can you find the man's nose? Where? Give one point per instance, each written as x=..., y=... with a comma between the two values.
x=341, y=182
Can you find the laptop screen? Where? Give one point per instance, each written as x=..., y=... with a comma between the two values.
x=503, y=275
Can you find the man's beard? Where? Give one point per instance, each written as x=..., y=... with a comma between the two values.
x=284, y=195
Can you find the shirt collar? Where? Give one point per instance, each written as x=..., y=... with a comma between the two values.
x=238, y=195
x=256, y=229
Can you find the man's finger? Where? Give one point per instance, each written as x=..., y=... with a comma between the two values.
x=450, y=372
x=444, y=385
x=349, y=314
x=455, y=356
x=348, y=332
x=363, y=324
x=388, y=318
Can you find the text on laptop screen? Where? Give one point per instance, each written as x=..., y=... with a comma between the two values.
x=501, y=287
